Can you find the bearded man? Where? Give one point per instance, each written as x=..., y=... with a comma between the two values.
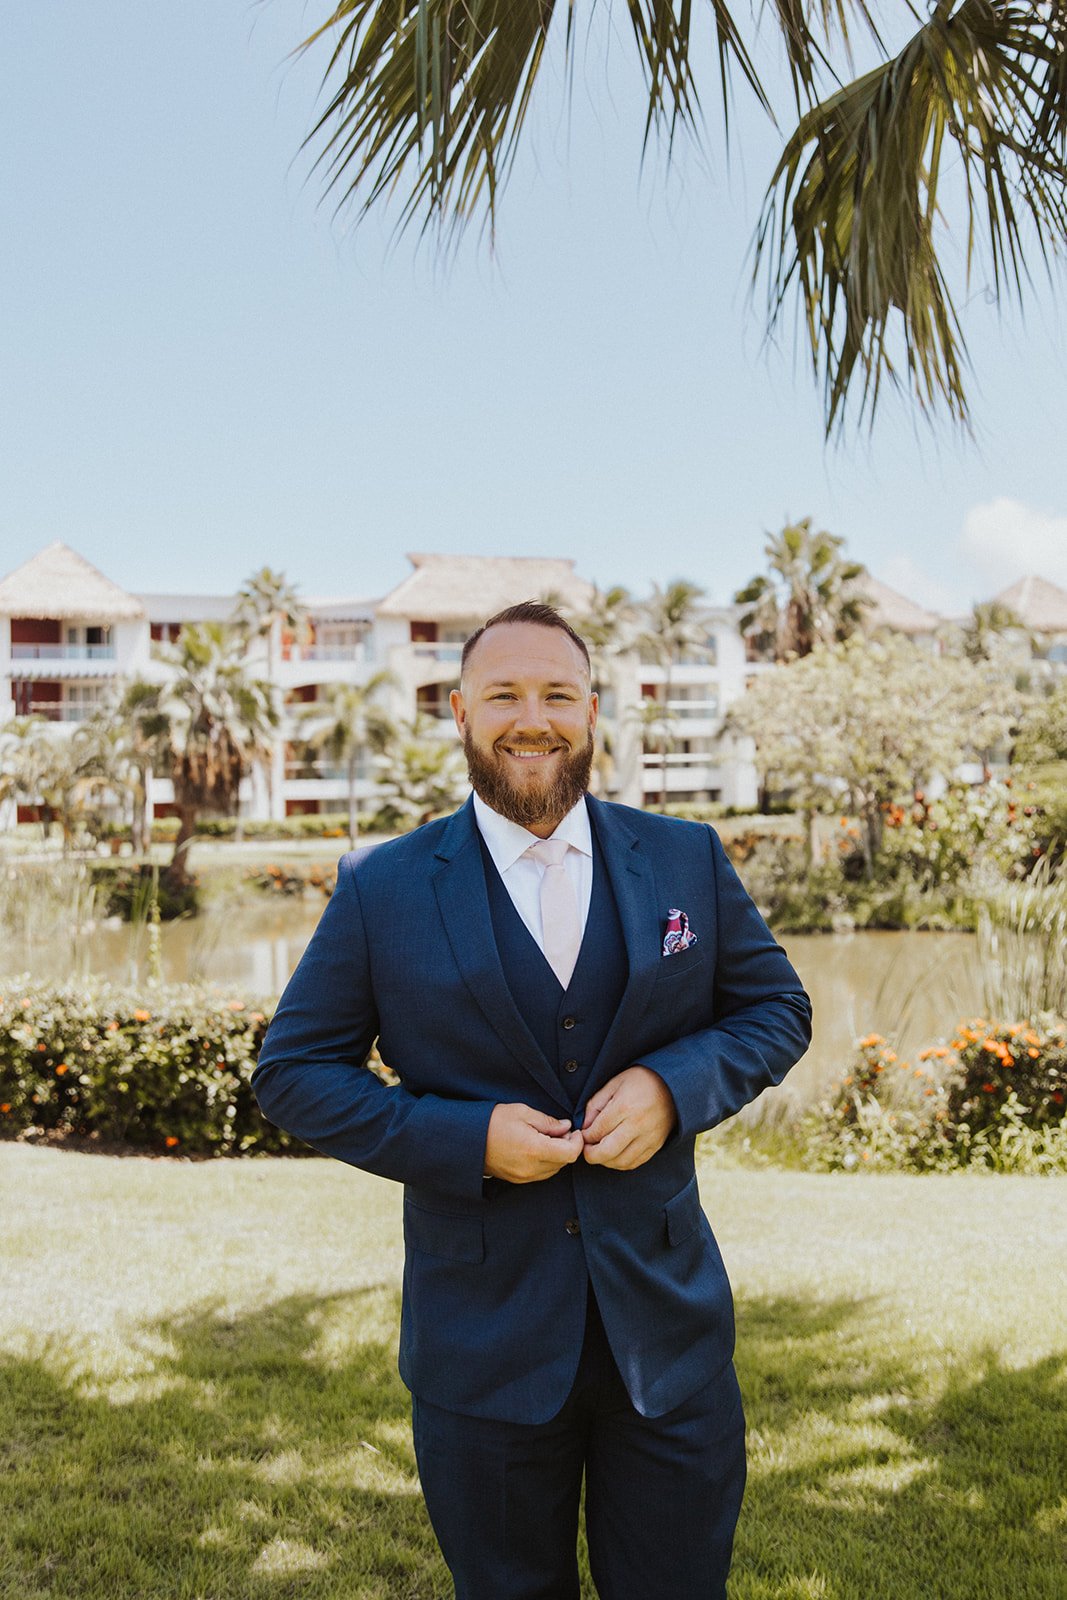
x=570, y=991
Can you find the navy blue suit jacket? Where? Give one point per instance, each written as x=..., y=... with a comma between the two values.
x=495, y=1273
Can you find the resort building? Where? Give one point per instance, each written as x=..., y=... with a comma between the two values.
x=69, y=635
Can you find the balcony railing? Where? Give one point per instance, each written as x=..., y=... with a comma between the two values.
x=438, y=652
x=331, y=652
x=58, y=711
x=704, y=709
x=62, y=652
x=328, y=771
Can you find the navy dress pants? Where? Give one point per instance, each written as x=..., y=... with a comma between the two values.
x=662, y=1494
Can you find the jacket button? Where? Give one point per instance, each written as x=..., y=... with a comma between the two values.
x=568, y=1022
x=570, y=1066
x=573, y=1226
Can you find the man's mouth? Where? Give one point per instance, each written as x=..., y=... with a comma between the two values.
x=525, y=752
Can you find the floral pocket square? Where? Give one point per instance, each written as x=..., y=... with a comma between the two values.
x=679, y=935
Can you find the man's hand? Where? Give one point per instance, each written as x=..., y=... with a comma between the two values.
x=628, y=1120
x=526, y=1146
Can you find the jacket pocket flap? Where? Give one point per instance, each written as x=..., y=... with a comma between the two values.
x=454, y=1235
x=683, y=1213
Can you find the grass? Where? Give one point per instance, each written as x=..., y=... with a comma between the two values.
x=199, y=1398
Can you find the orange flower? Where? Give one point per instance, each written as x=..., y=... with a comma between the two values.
x=171, y=1141
x=5, y=1107
x=236, y=1005
x=871, y=1040
x=112, y=1025
x=1033, y=1054
x=989, y=1088
x=42, y=1047
x=141, y=1016
x=61, y=1069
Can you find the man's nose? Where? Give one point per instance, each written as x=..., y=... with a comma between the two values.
x=531, y=715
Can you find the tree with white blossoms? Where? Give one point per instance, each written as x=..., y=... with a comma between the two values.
x=861, y=725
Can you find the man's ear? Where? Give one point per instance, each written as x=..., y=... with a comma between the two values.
x=459, y=710
x=594, y=710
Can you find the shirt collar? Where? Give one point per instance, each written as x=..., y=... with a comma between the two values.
x=506, y=841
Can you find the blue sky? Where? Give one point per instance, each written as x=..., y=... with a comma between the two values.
x=203, y=369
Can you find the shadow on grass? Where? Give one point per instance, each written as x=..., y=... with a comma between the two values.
x=878, y=1470
x=269, y=1455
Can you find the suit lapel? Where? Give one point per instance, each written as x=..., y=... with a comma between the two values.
x=634, y=886
x=463, y=901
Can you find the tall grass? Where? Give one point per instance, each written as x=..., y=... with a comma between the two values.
x=47, y=906
x=1022, y=948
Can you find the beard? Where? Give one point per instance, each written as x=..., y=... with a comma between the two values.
x=532, y=804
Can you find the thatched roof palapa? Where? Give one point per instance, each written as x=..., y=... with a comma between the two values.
x=464, y=589
x=58, y=582
x=1039, y=605
x=889, y=609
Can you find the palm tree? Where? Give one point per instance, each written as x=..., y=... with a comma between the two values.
x=215, y=721
x=809, y=595
x=263, y=599
x=655, y=721
x=345, y=724
x=674, y=625
x=607, y=627
x=428, y=99
x=989, y=619
x=422, y=776
x=25, y=760
x=145, y=726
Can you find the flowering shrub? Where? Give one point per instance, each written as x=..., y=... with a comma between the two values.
x=292, y=879
x=993, y=1098
x=940, y=841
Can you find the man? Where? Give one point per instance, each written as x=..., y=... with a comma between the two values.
x=570, y=992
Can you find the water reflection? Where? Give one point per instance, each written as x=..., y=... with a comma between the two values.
x=912, y=987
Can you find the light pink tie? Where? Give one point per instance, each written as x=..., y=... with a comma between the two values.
x=560, y=923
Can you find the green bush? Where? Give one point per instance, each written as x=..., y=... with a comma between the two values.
x=126, y=888
x=994, y=1099
x=165, y=1068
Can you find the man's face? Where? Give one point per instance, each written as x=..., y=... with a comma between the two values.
x=527, y=715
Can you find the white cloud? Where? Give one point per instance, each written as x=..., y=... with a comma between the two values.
x=1005, y=540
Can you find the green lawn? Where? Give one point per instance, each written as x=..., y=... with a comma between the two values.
x=199, y=1398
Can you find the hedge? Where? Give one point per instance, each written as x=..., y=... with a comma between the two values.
x=166, y=1067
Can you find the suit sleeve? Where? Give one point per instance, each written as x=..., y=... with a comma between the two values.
x=312, y=1080
x=763, y=1016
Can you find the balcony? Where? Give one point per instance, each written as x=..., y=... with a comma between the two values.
x=62, y=652
x=446, y=653
x=58, y=711
x=331, y=652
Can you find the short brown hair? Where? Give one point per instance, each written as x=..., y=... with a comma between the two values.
x=539, y=613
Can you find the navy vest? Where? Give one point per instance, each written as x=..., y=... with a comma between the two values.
x=569, y=1025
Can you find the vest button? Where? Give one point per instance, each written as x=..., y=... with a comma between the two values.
x=568, y=1022
x=570, y=1066
x=573, y=1226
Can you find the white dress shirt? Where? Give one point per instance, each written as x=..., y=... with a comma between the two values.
x=507, y=843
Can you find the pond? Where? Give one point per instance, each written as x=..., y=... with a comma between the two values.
x=911, y=987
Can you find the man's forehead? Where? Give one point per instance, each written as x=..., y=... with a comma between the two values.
x=510, y=650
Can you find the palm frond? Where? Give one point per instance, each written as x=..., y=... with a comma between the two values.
x=431, y=95
x=852, y=220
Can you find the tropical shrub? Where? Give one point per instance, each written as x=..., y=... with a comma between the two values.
x=292, y=878
x=994, y=1098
